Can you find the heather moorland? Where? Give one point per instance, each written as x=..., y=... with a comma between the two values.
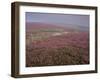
x=50, y=44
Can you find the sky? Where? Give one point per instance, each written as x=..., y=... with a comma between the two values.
x=61, y=19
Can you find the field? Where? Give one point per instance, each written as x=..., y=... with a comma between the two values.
x=49, y=45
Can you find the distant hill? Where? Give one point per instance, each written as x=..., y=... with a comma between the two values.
x=40, y=25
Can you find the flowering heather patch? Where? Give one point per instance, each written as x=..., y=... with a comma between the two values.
x=66, y=49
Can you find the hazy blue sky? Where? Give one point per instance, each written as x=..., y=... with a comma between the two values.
x=82, y=20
